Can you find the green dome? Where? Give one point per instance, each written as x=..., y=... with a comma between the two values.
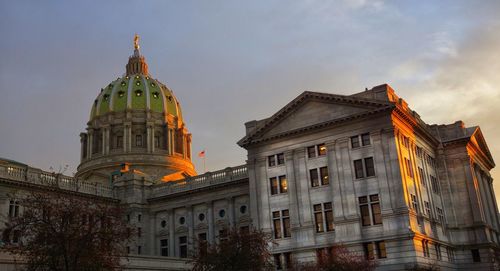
x=136, y=92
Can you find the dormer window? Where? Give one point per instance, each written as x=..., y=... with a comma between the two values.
x=153, y=84
x=138, y=93
x=106, y=97
x=156, y=95
x=121, y=93
x=123, y=83
x=137, y=83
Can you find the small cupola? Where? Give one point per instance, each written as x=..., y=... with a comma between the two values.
x=136, y=63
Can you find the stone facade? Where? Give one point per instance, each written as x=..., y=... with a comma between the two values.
x=363, y=170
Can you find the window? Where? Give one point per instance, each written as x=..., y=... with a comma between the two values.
x=222, y=213
x=138, y=140
x=223, y=235
x=243, y=209
x=425, y=248
x=450, y=253
x=277, y=159
x=427, y=208
x=406, y=141
x=476, y=257
x=13, y=208
x=370, y=210
x=139, y=250
x=278, y=185
x=419, y=152
x=355, y=142
x=360, y=140
x=201, y=217
x=139, y=232
x=164, y=247
x=422, y=176
x=381, y=252
x=434, y=184
x=365, y=139
x=277, y=262
x=128, y=250
x=440, y=215
x=438, y=251
x=288, y=259
x=183, y=246
x=414, y=202
x=317, y=150
x=364, y=168
x=281, y=224
x=139, y=217
x=369, y=251
x=182, y=220
x=163, y=223
x=323, y=217
x=119, y=141
x=320, y=178
x=202, y=237
x=409, y=168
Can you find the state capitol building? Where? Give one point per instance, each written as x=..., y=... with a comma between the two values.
x=363, y=170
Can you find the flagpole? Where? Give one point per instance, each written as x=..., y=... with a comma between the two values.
x=204, y=165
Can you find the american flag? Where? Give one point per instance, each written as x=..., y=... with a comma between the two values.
x=201, y=154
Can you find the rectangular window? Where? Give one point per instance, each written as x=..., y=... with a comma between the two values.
x=427, y=208
x=288, y=259
x=381, y=252
x=128, y=250
x=277, y=224
x=440, y=215
x=164, y=247
x=311, y=152
x=271, y=160
x=286, y=223
x=369, y=251
x=414, y=202
x=278, y=185
x=370, y=168
x=422, y=176
x=183, y=246
x=138, y=140
x=223, y=235
x=370, y=210
x=139, y=232
x=277, y=262
x=438, y=251
x=313, y=174
x=435, y=185
x=451, y=254
x=409, y=168
x=283, y=184
x=119, y=141
x=425, y=248
x=274, y=185
x=280, y=158
x=139, y=250
x=358, y=168
x=13, y=208
x=321, y=149
x=202, y=237
x=365, y=139
x=318, y=218
x=476, y=257
x=355, y=142
x=328, y=216
x=323, y=172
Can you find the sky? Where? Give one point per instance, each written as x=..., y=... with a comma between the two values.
x=229, y=62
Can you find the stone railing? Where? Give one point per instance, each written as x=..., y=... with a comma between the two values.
x=200, y=181
x=53, y=180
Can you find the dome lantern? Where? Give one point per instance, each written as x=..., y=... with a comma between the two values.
x=136, y=63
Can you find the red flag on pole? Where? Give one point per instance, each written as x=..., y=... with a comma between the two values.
x=201, y=154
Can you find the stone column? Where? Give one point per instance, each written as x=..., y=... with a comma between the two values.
x=210, y=221
x=171, y=233
x=333, y=175
x=474, y=198
x=89, y=144
x=103, y=140
x=153, y=141
x=83, y=144
x=292, y=188
x=254, y=199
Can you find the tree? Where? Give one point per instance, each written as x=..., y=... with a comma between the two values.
x=338, y=258
x=61, y=232
x=243, y=250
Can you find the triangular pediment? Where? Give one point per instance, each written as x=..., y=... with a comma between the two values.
x=308, y=110
x=477, y=139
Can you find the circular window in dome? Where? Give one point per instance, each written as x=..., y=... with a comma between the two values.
x=163, y=223
x=127, y=77
x=137, y=83
x=243, y=209
x=110, y=86
x=147, y=77
x=156, y=94
x=106, y=97
x=137, y=77
x=222, y=213
x=138, y=93
x=123, y=83
x=153, y=84
x=182, y=220
x=201, y=217
x=121, y=93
